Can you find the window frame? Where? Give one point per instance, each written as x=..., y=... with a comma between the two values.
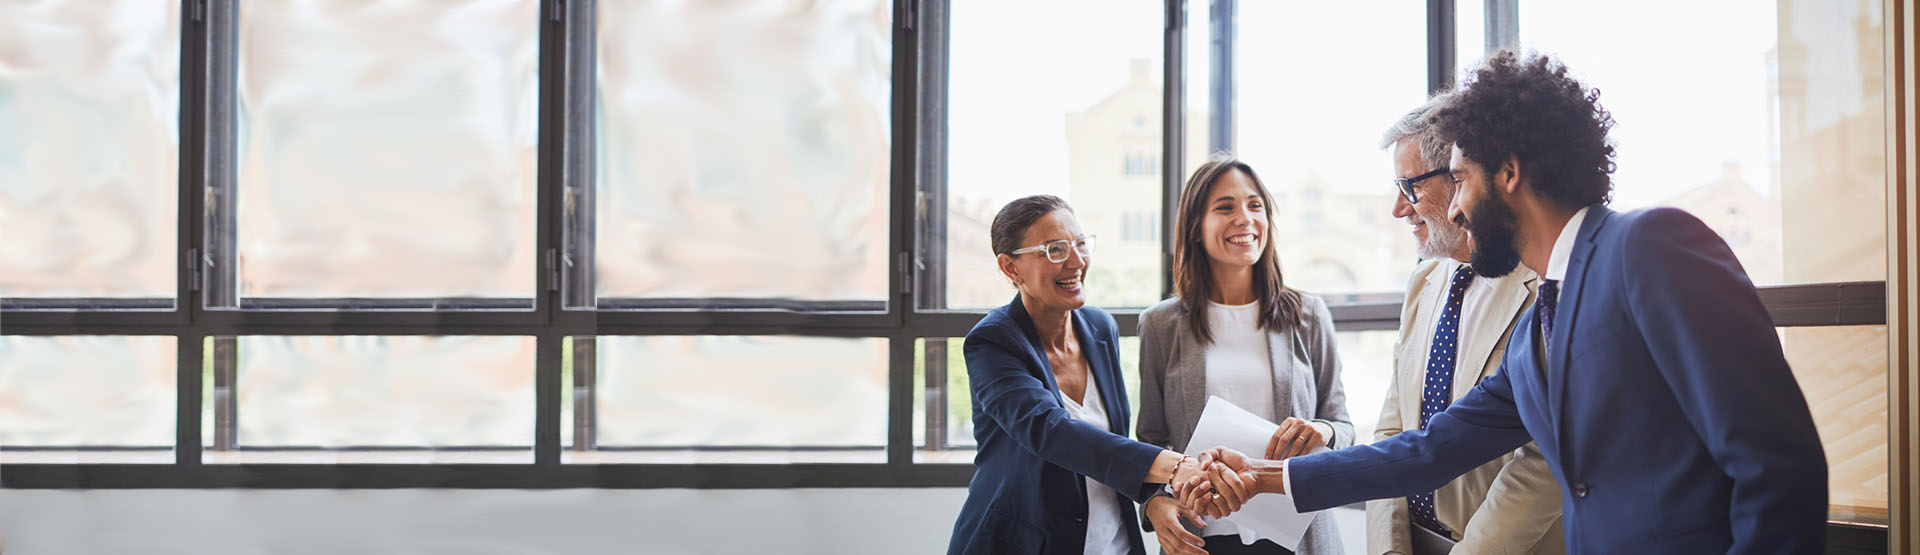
x=565, y=306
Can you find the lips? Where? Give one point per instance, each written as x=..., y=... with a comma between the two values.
x=1070, y=284
x=1243, y=239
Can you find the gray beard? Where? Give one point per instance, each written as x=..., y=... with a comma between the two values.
x=1440, y=244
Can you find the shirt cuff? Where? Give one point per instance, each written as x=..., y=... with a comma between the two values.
x=1286, y=480
x=1326, y=431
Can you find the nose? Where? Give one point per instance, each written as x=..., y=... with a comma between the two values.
x=1074, y=259
x=1454, y=209
x=1401, y=208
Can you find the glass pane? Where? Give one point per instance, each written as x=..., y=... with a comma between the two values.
x=1843, y=373
x=1779, y=140
x=1043, y=99
x=1366, y=370
x=89, y=101
x=741, y=137
x=752, y=392
x=302, y=393
x=1317, y=147
x=87, y=392
x=959, y=416
x=1469, y=34
x=387, y=149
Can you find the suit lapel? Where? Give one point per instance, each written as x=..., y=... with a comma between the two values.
x=1190, y=360
x=1280, y=359
x=1505, y=303
x=1419, y=343
x=1019, y=312
x=1567, y=309
x=1105, y=377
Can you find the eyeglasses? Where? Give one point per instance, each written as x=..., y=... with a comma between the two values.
x=1406, y=184
x=1057, y=249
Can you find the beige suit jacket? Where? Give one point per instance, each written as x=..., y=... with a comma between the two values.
x=1510, y=504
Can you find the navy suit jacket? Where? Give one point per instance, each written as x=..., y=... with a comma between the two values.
x=1666, y=410
x=1027, y=494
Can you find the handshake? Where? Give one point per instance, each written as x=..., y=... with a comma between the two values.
x=1215, y=484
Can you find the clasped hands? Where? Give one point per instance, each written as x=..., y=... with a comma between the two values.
x=1220, y=481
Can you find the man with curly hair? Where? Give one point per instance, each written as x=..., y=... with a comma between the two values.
x=1647, y=371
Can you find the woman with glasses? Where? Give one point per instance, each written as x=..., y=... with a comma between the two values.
x=1236, y=331
x=1056, y=472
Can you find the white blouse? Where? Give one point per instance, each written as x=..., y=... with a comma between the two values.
x=1104, y=533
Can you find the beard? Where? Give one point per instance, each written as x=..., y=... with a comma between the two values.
x=1443, y=238
x=1492, y=224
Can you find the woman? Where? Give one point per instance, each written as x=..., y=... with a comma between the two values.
x=1237, y=332
x=1050, y=412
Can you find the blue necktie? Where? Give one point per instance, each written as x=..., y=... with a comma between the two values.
x=1549, y=299
x=1438, y=392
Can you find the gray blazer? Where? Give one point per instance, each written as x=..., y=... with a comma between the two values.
x=1306, y=384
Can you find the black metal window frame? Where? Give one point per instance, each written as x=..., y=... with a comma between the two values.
x=564, y=304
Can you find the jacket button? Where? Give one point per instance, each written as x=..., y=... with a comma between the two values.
x=1579, y=490
x=1080, y=520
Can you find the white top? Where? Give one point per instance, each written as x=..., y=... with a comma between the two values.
x=1563, y=247
x=1239, y=363
x=1473, y=310
x=1104, y=534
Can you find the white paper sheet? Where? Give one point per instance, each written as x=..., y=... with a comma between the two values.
x=1267, y=516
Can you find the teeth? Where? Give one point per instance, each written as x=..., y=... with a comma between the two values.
x=1075, y=282
x=1241, y=239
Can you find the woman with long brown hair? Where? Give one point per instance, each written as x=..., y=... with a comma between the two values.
x=1235, y=330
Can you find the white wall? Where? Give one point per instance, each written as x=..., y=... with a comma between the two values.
x=488, y=522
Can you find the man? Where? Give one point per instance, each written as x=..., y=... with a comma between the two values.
x=1647, y=370
x=1453, y=330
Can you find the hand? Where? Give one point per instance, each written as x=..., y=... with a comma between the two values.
x=1187, y=469
x=1165, y=513
x=1227, y=485
x=1294, y=437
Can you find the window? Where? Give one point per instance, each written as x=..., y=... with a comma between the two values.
x=70, y=397
x=604, y=244
x=1042, y=100
x=89, y=160
x=1783, y=154
x=743, y=151
x=386, y=150
x=799, y=399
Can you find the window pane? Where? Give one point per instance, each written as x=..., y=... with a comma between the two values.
x=1843, y=373
x=1366, y=370
x=1316, y=145
x=89, y=102
x=308, y=392
x=387, y=149
x=87, y=391
x=744, y=149
x=1469, y=34
x=1770, y=127
x=959, y=417
x=687, y=392
x=1043, y=99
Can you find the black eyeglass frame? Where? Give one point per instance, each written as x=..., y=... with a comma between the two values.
x=1406, y=184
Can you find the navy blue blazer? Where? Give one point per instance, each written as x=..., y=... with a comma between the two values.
x=1027, y=495
x=1667, y=411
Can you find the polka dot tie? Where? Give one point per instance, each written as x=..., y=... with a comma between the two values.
x=1438, y=391
x=1549, y=299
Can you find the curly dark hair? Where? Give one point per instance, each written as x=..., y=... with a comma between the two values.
x=1528, y=107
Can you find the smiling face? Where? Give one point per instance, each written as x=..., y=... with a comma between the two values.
x=1483, y=211
x=1234, y=228
x=1434, y=234
x=1044, y=283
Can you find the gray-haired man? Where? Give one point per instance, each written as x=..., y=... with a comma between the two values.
x=1453, y=332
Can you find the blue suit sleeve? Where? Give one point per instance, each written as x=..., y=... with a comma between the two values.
x=1005, y=390
x=1482, y=425
x=1715, y=345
